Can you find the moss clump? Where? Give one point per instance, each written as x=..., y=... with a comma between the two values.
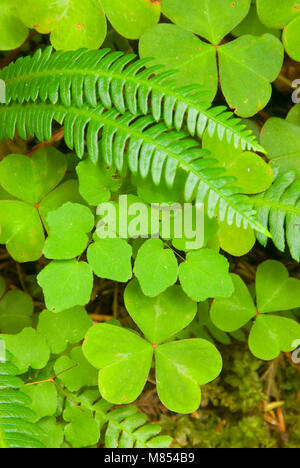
x=232, y=409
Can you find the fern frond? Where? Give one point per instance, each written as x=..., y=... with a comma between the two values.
x=279, y=210
x=149, y=148
x=125, y=426
x=83, y=76
x=16, y=428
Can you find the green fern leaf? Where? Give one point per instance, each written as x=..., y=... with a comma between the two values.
x=125, y=426
x=279, y=210
x=150, y=148
x=122, y=81
x=16, y=428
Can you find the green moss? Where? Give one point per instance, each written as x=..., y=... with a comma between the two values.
x=231, y=411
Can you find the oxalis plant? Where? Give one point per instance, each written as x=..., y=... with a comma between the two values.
x=130, y=169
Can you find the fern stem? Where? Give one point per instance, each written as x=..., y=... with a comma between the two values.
x=261, y=202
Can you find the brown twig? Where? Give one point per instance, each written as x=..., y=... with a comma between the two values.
x=56, y=137
x=21, y=277
x=115, y=301
x=14, y=53
x=52, y=380
x=100, y=317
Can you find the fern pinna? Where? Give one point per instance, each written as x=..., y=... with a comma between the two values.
x=124, y=426
x=150, y=147
x=16, y=428
x=279, y=210
x=122, y=81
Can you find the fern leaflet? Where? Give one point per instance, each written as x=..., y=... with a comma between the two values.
x=279, y=210
x=149, y=147
x=16, y=428
x=125, y=426
x=121, y=80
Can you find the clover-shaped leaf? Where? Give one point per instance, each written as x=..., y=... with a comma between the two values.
x=247, y=65
x=75, y=24
x=43, y=399
x=271, y=334
x=12, y=31
x=111, y=259
x=4, y=195
x=161, y=317
x=181, y=50
x=275, y=291
x=203, y=327
x=82, y=430
x=21, y=230
x=72, y=24
x=29, y=180
x=205, y=274
x=124, y=359
x=209, y=240
x=230, y=314
x=236, y=241
x=277, y=14
x=283, y=15
x=66, y=284
x=70, y=326
x=67, y=228
x=82, y=375
x=203, y=18
x=155, y=267
x=252, y=25
x=132, y=18
x=95, y=182
x=291, y=38
x=29, y=349
x=16, y=309
x=68, y=191
x=127, y=218
x=41, y=15
x=53, y=432
x=281, y=139
x=187, y=365
x=252, y=173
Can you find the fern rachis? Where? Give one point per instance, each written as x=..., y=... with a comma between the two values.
x=84, y=77
x=149, y=148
